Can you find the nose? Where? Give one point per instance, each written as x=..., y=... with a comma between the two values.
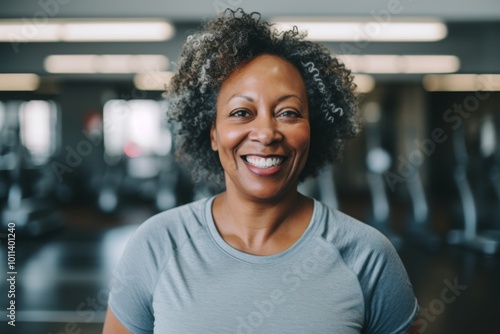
x=265, y=130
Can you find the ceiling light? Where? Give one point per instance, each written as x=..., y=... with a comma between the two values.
x=365, y=29
x=407, y=64
x=86, y=30
x=461, y=82
x=71, y=64
x=430, y=64
x=19, y=82
x=105, y=63
x=152, y=80
x=116, y=31
x=19, y=31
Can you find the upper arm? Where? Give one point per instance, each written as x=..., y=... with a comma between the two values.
x=133, y=282
x=391, y=305
x=415, y=329
x=113, y=326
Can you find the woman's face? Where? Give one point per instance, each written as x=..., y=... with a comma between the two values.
x=262, y=131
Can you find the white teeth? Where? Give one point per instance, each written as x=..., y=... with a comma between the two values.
x=264, y=163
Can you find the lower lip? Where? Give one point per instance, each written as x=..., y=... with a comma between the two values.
x=269, y=171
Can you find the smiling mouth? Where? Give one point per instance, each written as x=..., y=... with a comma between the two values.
x=262, y=162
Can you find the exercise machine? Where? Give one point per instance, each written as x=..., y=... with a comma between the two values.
x=469, y=236
x=378, y=162
x=29, y=140
x=138, y=155
x=322, y=187
x=418, y=229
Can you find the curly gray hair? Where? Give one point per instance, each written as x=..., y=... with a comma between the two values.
x=235, y=38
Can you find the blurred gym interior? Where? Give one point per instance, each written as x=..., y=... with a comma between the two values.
x=86, y=153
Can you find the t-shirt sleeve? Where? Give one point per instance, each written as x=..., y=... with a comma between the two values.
x=134, y=280
x=390, y=303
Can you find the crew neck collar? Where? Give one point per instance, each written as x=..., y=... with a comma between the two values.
x=259, y=259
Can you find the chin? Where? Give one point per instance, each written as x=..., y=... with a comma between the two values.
x=269, y=192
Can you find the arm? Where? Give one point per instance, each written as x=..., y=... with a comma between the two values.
x=129, y=303
x=415, y=328
x=391, y=303
x=112, y=325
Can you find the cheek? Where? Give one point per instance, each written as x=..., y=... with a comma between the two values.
x=300, y=139
x=230, y=138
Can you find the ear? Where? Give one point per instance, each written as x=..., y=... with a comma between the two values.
x=213, y=138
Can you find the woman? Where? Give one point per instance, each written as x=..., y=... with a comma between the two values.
x=261, y=110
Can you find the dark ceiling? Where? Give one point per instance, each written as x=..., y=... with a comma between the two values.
x=473, y=27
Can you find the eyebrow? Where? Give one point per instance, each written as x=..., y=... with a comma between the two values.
x=250, y=99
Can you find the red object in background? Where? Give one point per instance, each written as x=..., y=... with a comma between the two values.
x=92, y=120
x=132, y=150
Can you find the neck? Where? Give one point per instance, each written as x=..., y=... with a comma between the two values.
x=261, y=226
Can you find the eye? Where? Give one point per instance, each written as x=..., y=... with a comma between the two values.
x=289, y=114
x=240, y=113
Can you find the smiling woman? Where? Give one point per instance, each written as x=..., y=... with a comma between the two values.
x=211, y=56
x=259, y=110
x=261, y=130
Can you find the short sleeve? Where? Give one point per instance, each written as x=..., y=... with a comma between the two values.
x=134, y=280
x=390, y=303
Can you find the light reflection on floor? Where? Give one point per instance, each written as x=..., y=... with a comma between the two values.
x=64, y=279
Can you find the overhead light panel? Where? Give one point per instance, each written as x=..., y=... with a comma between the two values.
x=20, y=31
x=86, y=30
x=19, y=81
x=402, y=64
x=343, y=30
x=430, y=64
x=117, y=31
x=461, y=82
x=105, y=63
x=152, y=80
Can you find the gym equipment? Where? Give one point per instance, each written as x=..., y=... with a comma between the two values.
x=378, y=162
x=418, y=230
x=3, y=154
x=168, y=178
x=107, y=196
x=138, y=155
x=489, y=190
x=322, y=187
x=326, y=187
x=29, y=140
x=469, y=236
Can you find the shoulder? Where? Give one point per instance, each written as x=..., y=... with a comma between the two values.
x=360, y=245
x=147, y=252
x=168, y=230
x=348, y=234
x=390, y=304
x=190, y=216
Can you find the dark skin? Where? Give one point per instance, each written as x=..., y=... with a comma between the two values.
x=262, y=135
x=113, y=326
x=414, y=329
x=262, y=113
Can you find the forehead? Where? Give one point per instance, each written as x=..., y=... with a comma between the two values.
x=265, y=72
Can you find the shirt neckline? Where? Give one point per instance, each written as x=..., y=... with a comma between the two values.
x=259, y=259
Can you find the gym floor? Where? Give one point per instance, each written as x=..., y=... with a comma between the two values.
x=62, y=279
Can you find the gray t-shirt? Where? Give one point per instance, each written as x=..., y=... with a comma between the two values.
x=177, y=275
